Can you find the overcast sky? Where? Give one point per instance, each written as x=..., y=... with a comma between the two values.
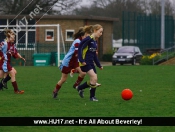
x=85, y=2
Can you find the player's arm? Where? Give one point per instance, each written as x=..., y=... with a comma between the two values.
x=97, y=62
x=17, y=55
x=3, y=53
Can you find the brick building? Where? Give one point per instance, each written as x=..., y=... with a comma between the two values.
x=69, y=25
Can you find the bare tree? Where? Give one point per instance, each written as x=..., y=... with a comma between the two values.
x=111, y=8
x=26, y=6
x=154, y=6
x=115, y=8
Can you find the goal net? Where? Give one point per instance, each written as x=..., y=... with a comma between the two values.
x=41, y=45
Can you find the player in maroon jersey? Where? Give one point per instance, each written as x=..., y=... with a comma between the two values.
x=7, y=50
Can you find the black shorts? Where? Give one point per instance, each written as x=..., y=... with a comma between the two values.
x=88, y=67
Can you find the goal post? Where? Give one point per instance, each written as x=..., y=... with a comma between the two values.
x=38, y=39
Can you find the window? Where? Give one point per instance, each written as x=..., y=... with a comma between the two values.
x=2, y=36
x=3, y=21
x=25, y=37
x=12, y=22
x=21, y=39
x=49, y=35
x=69, y=35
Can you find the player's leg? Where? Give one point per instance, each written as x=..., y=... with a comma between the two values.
x=12, y=73
x=80, y=77
x=86, y=84
x=5, y=80
x=93, y=81
x=59, y=84
x=7, y=77
x=65, y=71
x=1, y=76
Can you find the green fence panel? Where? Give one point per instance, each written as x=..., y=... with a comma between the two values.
x=42, y=59
x=144, y=30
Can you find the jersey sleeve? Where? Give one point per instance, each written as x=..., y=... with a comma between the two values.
x=76, y=45
x=1, y=45
x=15, y=55
x=97, y=62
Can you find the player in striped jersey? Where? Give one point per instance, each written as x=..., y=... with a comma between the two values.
x=70, y=60
x=8, y=49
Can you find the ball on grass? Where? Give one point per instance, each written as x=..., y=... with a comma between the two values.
x=127, y=94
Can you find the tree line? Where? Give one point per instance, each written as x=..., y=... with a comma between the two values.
x=105, y=8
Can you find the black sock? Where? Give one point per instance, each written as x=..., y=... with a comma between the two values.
x=7, y=78
x=1, y=86
x=83, y=86
x=92, y=92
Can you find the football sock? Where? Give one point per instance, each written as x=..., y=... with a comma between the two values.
x=1, y=85
x=7, y=78
x=15, y=86
x=57, y=88
x=92, y=92
x=79, y=80
x=84, y=85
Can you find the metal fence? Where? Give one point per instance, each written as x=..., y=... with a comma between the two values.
x=164, y=55
x=37, y=48
x=144, y=30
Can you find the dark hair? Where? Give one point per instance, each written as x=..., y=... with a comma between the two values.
x=79, y=33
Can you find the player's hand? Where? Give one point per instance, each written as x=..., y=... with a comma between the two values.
x=83, y=63
x=101, y=68
x=23, y=59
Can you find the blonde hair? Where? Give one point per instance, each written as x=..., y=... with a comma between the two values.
x=8, y=33
x=96, y=27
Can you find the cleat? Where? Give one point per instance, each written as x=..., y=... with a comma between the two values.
x=4, y=85
x=75, y=87
x=1, y=85
x=98, y=84
x=55, y=94
x=19, y=92
x=81, y=93
x=93, y=99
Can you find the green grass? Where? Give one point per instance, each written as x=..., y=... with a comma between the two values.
x=156, y=99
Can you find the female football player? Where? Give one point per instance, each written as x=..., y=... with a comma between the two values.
x=8, y=50
x=87, y=56
x=70, y=60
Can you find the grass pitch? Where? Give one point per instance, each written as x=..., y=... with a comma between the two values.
x=153, y=88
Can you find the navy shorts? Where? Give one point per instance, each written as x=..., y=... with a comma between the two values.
x=88, y=67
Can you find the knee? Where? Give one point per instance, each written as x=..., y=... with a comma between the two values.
x=12, y=73
x=13, y=69
x=94, y=78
